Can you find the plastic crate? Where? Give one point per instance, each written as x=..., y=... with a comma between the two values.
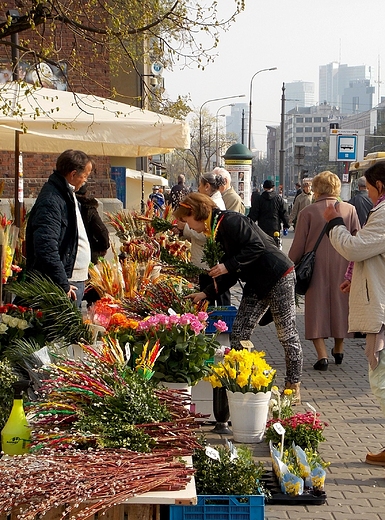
x=226, y=314
x=222, y=507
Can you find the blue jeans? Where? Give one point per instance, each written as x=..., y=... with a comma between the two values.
x=79, y=293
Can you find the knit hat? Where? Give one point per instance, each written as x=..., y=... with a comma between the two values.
x=267, y=185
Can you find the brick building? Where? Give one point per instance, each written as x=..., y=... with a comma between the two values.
x=37, y=167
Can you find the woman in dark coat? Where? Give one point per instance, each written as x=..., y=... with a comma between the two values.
x=97, y=231
x=268, y=275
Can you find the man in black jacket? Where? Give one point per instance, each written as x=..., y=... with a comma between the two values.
x=56, y=240
x=269, y=210
x=178, y=191
x=361, y=201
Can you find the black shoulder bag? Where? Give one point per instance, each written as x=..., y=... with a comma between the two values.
x=305, y=267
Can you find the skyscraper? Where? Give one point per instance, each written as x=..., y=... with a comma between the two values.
x=336, y=79
x=299, y=94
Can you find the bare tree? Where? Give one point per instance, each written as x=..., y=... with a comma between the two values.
x=188, y=160
x=119, y=36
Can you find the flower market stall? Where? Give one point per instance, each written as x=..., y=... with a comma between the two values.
x=105, y=430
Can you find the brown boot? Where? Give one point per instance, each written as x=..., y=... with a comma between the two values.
x=377, y=459
x=297, y=394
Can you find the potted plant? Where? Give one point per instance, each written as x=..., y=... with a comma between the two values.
x=227, y=479
x=248, y=379
x=304, y=429
x=185, y=348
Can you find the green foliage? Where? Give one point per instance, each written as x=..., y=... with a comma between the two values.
x=61, y=319
x=7, y=377
x=227, y=476
x=185, y=269
x=113, y=418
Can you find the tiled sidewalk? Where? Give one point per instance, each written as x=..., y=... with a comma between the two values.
x=343, y=397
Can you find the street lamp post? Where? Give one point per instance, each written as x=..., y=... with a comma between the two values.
x=217, y=131
x=282, y=148
x=250, y=99
x=200, y=156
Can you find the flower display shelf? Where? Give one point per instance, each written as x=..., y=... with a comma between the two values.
x=278, y=498
x=223, y=507
x=226, y=314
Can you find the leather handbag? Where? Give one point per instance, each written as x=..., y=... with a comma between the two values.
x=305, y=267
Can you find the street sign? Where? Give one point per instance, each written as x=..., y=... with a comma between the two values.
x=347, y=148
x=346, y=144
x=157, y=68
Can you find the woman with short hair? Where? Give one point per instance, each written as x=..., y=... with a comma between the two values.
x=326, y=307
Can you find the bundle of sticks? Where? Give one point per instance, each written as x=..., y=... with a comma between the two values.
x=96, y=480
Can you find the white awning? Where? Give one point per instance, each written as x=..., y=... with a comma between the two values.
x=148, y=177
x=51, y=121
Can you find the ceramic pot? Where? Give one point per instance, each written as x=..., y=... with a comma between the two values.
x=248, y=414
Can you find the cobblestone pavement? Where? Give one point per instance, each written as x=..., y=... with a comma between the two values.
x=343, y=397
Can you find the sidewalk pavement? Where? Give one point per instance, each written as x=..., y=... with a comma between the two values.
x=343, y=397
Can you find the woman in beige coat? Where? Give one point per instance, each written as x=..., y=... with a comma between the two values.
x=367, y=286
x=326, y=307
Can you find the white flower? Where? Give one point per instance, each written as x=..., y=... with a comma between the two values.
x=3, y=328
x=23, y=324
x=16, y=323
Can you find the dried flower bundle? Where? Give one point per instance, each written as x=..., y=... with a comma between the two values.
x=33, y=484
x=126, y=225
x=160, y=295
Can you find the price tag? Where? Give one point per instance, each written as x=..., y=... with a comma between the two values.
x=312, y=409
x=232, y=449
x=279, y=428
x=171, y=312
x=212, y=453
x=281, y=431
x=127, y=351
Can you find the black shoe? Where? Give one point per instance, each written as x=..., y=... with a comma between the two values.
x=338, y=357
x=321, y=365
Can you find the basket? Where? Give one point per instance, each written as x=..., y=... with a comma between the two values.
x=226, y=314
x=222, y=507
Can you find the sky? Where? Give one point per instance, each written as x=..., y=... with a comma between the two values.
x=296, y=37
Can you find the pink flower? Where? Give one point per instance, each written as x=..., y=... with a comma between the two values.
x=163, y=319
x=203, y=316
x=220, y=326
x=197, y=326
x=185, y=319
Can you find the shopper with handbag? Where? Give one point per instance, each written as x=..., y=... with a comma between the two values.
x=326, y=307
